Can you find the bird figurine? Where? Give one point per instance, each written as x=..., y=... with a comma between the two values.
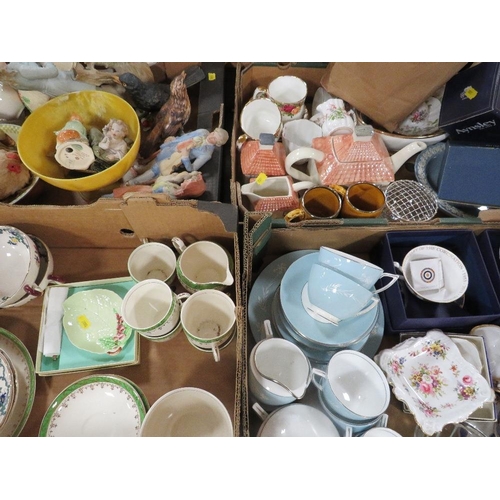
x=171, y=117
x=146, y=96
x=151, y=96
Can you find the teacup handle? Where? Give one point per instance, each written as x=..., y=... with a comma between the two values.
x=183, y=296
x=216, y=352
x=319, y=373
x=259, y=93
x=394, y=278
x=262, y=414
x=178, y=244
x=268, y=331
x=298, y=154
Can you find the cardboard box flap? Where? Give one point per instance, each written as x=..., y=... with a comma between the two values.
x=147, y=217
x=387, y=92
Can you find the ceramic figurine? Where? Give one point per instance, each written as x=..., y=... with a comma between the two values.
x=182, y=185
x=13, y=173
x=171, y=118
x=113, y=143
x=191, y=150
x=44, y=77
x=72, y=145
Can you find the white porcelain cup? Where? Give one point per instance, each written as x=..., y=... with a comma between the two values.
x=260, y=116
x=152, y=309
x=359, y=270
x=336, y=297
x=353, y=386
x=279, y=372
x=203, y=265
x=299, y=133
x=152, y=260
x=208, y=318
x=187, y=412
x=333, y=118
x=289, y=93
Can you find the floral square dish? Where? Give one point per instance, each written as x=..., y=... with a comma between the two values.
x=432, y=377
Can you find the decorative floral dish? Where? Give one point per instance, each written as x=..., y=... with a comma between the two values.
x=7, y=387
x=71, y=358
x=21, y=360
x=95, y=406
x=93, y=322
x=433, y=379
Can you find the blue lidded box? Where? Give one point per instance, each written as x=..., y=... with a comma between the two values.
x=489, y=244
x=405, y=312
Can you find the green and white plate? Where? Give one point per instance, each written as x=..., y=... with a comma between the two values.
x=21, y=360
x=95, y=406
x=92, y=321
x=75, y=359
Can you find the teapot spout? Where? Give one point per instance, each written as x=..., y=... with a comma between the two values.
x=400, y=157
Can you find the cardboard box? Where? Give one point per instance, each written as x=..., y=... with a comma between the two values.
x=264, y=242
x=247, y=79
x=406, y=312
x=470, y=109
x=93, y=242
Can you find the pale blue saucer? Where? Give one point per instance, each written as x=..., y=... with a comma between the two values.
x=322, y=334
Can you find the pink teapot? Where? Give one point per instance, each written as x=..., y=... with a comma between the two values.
x=349, y=158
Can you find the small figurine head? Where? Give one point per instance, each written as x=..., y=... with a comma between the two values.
x=116, y=129
x=218, y=137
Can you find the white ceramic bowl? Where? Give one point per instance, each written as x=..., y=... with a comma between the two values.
x=297, y=420
x=353, y=386
x=19, y=264
x=44, y=277
x=187, y=412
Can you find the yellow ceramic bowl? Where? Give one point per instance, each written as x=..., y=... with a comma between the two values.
x=36, y=143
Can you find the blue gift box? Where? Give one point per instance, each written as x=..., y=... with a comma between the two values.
x=470, y=174
x=405, y=312
x=470, y=108
x=489, y=244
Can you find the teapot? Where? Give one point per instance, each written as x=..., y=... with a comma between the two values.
x=349, y=158
x=268, y=194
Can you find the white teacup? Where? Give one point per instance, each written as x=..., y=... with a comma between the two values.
x=359, y=270
x=336, y=297
x=208, y=318
x=203, y=265
x=187, y=412
x=299, y=133
x=260, y=116
x=333, y=118
x=279, y=372
x=152, y=309
x=289, y=93
x=152, y=260
x=353, y=386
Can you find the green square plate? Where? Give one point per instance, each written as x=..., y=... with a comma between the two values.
x=72, y=359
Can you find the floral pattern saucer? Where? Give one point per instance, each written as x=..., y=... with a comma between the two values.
x=7, y=387
x=437, y=384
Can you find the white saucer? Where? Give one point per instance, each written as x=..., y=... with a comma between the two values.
x=95, y=406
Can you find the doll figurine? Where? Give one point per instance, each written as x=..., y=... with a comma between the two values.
x=191, y=151
x=113, y=143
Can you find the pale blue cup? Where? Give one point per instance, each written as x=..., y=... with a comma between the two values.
x=353, y=386
x=359, y=270
x=335, y=297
